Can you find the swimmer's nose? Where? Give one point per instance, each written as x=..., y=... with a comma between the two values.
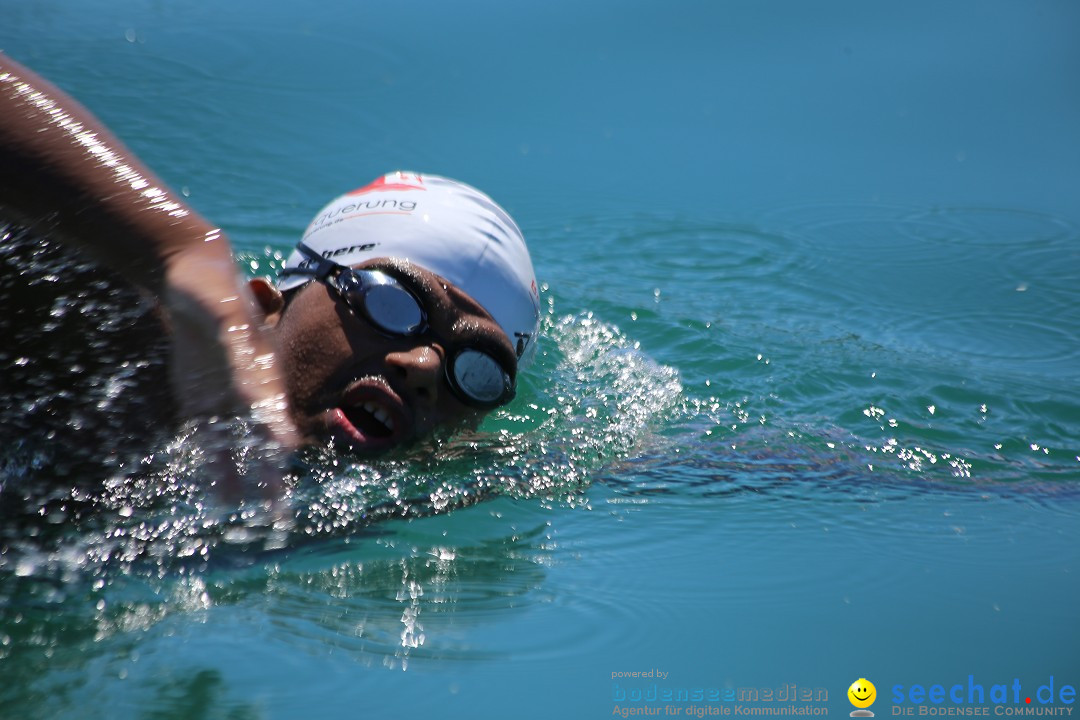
x=419, y=370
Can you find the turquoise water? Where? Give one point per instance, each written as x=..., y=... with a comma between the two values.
x=807, y=408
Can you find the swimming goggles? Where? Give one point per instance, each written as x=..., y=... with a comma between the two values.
x=474, y=375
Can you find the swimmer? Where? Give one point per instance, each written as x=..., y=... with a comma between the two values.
x=408, y=304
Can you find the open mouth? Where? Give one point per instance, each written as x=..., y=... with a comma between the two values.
x=371, y=419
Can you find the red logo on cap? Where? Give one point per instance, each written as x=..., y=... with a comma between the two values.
x=393, y=181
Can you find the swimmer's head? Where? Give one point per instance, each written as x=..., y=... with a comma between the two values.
x=444, y=226
x=356, y=368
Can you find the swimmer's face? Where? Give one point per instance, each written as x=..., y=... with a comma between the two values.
x=369, y=392
x=862, y=693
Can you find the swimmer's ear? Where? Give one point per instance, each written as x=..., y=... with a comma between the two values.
x=269, y=298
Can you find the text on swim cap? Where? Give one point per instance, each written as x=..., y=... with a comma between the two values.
x=352, y=248
x=339, y=251
x=387, y=204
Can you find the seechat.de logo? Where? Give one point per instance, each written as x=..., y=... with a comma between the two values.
x=862, y=695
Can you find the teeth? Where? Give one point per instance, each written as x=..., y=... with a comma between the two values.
x=379, y=414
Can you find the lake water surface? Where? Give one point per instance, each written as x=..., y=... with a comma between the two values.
x=807, y=403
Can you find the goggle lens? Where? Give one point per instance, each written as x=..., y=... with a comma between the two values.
x=480, y=377
x=387, y=304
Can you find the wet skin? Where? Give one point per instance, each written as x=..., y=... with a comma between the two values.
x=366, y=391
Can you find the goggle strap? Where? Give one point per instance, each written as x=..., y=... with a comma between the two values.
x=323, y=269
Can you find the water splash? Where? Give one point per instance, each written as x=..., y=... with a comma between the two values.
x=593, y=397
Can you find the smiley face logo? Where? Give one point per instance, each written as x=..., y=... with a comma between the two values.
x=862, y=693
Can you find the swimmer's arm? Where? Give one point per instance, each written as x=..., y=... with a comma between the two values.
x=63, y=172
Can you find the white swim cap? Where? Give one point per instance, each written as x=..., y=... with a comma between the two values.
x=444, y=226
